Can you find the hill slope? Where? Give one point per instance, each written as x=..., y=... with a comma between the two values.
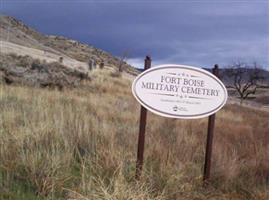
x=15, y=31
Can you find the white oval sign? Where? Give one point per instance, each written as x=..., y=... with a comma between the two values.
x=179, y=91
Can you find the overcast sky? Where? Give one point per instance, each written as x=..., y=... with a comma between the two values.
x=199, y=33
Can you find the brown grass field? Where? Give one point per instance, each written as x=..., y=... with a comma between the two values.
x=81, y=144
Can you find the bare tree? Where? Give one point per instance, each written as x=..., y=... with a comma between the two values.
x=245, y=78
x=123, y=59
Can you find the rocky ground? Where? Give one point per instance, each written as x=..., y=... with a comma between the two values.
x=24, y=70
x=8, y=47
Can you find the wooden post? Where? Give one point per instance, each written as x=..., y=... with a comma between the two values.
x=209, y=142
x=142, y=129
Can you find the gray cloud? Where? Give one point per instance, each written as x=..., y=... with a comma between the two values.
x=200, y=33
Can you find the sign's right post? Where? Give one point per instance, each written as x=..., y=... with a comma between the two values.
x=209, y=140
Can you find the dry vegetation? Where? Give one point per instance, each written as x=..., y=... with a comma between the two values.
x=24, y=70
x=81, y=144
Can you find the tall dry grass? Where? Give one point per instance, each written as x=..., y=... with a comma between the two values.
x=81, y=144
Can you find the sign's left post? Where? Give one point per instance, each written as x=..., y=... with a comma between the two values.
x=142, y=130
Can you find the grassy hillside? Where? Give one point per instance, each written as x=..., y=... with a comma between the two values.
x=15, y=31
x=81, y=144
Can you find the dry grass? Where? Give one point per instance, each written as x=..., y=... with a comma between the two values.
x=81, y=144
